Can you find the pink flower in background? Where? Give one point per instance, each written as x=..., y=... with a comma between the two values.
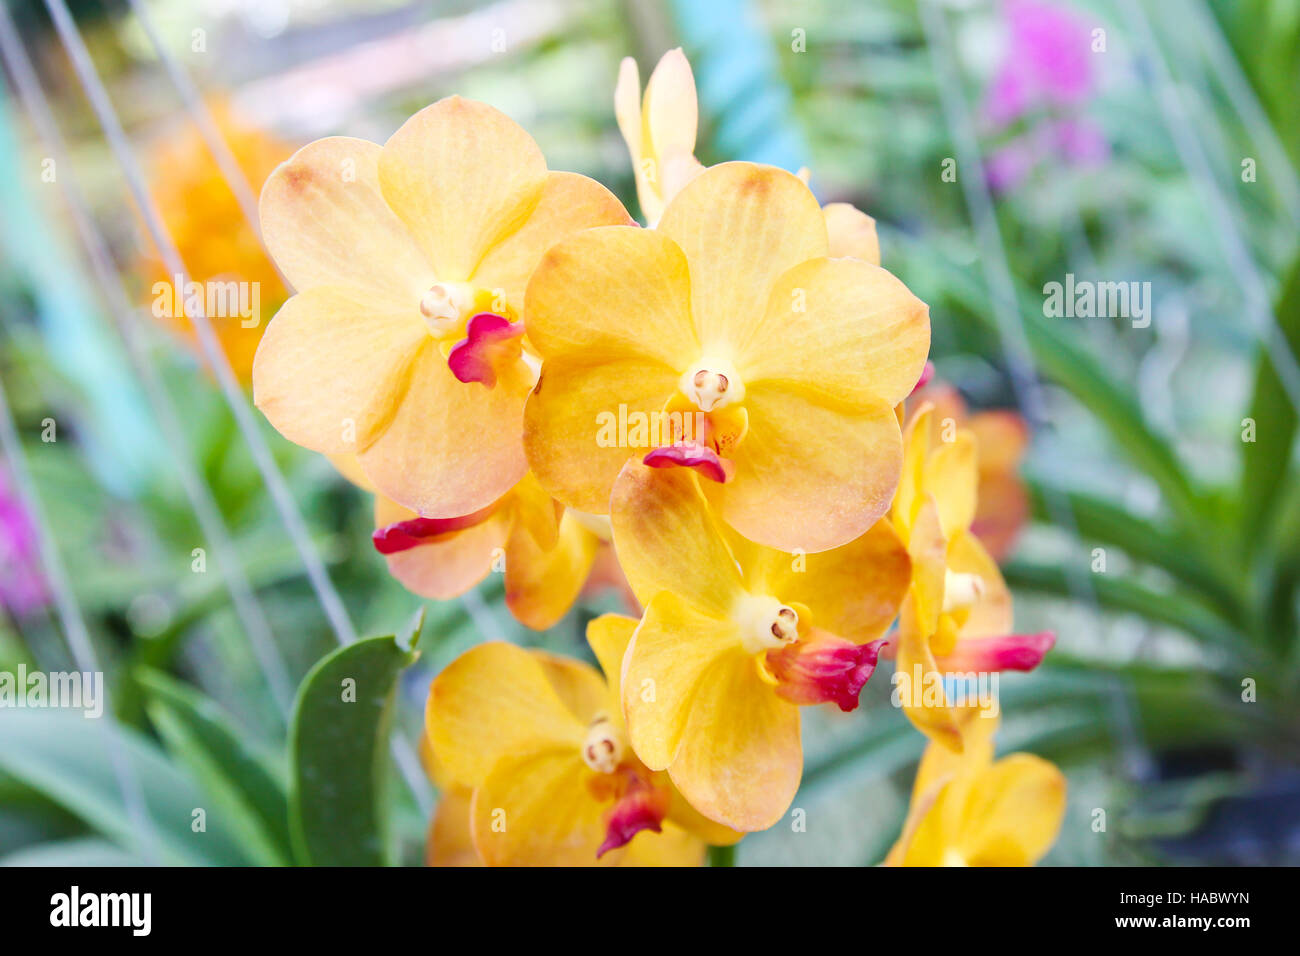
x=22, y=586
x=1045, y=78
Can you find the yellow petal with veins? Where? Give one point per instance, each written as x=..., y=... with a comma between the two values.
x=930, y=835
x=672, y=652
x=674, y=847
x=916, y=448
x=627, y=109
x=450, y=842
x=613, y=293
x=609, y=636
x=581, y=688
x=670, y=113
x=332, y=368
x=660, y=129
x=574, y=423
x=534, y=809
x=741, y=226
x=668, y=539
x=536, y=512
x=349, y=468
x=569, y=202
x=493, y=700
x=710, y=831
x=932, y=832
x=939, y=765
x=950, y=475
x=448, y=565
x=928, y=551
x=452, y=447
x=831, y=584
x=810, y=476
x=851, y=232
x=739, y=759
x=325, y=222
x=839, y=329
x=541, y=585
x=915, y=661
x=1013, y=812
x=462, y=176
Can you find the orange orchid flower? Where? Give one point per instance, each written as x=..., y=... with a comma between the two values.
x=540, y=743
x=735, y=638
x=403, y=345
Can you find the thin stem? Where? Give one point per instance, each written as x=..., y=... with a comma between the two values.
x=722, y=855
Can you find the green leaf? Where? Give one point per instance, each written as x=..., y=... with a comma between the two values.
x=1062, y=356
x=1266, y=460
x=241, y=783
x=1064, y=360
x=338, y=750
x=410, y=635
x=1171, y=608
x=1101, y=521
x=79, y=852
x=69, y=758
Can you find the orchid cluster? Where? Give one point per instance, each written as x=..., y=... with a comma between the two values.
x=711, y=409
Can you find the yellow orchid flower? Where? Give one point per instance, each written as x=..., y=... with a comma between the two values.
x=660, y=130
x=957, y=615
x=1001, y=436
x=541, y=744
x=403, y=344
x=215, y=241
x=968, y=810
x=547, y=552
x=726, y=341
x=735, y=637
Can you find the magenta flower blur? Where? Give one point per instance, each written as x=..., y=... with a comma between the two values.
x=1045, y=79
x=22, y=586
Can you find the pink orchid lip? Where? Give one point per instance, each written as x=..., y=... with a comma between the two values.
x=1009, y=652
x=404, y=535
x=487, y=337
x=691, y=454
x=642, y=807
x=824, y=669
x=927, y=373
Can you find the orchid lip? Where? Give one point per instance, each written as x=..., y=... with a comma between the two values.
x=489, y=339
x=642, y=806
x=823, y=669
x=413, y=532
x=692, y=454
x=1007, y=652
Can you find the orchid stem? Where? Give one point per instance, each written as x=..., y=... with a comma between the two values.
x=722, y=855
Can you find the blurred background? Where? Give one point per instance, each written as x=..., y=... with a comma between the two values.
x=1152, y=519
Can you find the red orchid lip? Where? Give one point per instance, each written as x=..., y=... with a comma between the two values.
x=826, y=669
x=404, y=535
x=691, y=454
x=1008, y=652
x=471, y=359
x=642, y=807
